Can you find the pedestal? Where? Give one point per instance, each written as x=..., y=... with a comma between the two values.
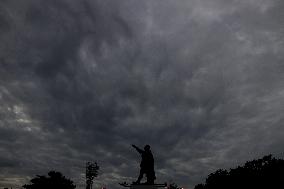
x=143, y=187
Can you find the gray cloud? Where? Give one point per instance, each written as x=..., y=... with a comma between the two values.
x=200, y=81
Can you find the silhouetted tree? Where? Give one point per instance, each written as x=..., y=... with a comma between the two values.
x=54, y=180
x=266, y=173
x=91, y=172
x=173, y=186
x=199, y=186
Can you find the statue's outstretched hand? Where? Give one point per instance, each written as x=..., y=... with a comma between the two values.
x=137, y=149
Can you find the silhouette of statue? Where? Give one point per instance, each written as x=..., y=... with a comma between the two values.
x=146, y=165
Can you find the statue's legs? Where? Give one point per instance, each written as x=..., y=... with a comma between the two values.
x=150, y=177
x=140, y=176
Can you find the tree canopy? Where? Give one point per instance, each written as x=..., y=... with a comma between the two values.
x=54, y=180
x=267, y=172
x=92, y=169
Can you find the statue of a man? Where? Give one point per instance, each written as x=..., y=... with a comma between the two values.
x=146, y=165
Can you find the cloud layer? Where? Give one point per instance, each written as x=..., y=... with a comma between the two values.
x=200, y=81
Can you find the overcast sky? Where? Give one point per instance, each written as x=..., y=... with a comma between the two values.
x=201, y=81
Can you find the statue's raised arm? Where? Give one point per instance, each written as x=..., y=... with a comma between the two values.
x=138, y=149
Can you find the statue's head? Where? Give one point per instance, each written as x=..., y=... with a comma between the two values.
x=147, y=147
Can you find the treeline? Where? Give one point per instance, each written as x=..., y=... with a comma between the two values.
x=54, y=180
x=267, y=172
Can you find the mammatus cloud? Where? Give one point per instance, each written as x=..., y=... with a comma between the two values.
x=200, y=81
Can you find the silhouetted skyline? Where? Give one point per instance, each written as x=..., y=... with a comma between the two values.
x=201, y=81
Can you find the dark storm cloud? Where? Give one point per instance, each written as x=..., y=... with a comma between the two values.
x=200, y=81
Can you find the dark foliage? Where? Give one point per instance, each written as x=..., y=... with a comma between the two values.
x=92, y=169
x=199, y=186
x=267, y=172
x=173, y=186
x=54, y=180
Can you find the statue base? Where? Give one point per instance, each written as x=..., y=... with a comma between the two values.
x=143, y=187
x=147, y=186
